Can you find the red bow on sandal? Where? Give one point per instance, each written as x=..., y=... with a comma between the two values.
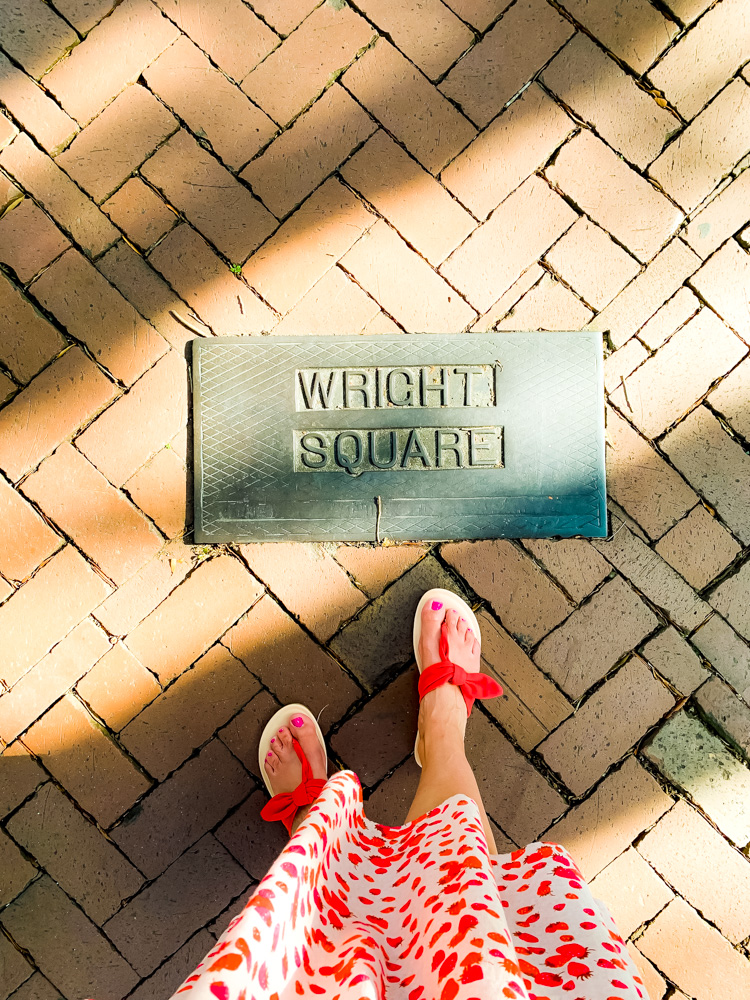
x=284, y=805
x=472, y=684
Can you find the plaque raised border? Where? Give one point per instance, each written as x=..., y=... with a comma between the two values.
x=514, y=449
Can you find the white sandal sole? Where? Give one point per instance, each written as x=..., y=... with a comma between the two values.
x=452, y=602
x=281, y=718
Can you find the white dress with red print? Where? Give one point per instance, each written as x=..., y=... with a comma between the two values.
x=352, y=909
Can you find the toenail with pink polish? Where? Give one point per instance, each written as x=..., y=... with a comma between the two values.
x=273, y=739
x=299, y=721
x=437, y=605
x=281, y=730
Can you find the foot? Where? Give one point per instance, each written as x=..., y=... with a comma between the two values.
x=442, y=712
x=283, y=766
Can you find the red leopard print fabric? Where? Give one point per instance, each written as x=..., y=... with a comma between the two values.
x=352, y=909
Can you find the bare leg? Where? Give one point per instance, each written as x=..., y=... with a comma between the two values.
x=442, y=722
x=283, y=766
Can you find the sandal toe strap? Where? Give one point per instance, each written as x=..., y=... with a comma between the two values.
x=284, y=805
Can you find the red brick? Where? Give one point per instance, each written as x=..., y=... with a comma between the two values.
x=300, y=574
x=210, y=105
x=117, y=687
x=530, y=277
x=212, y=199
x=705, y=58
x=672, y=315
x=627, y=313
x=84, y=14
x=55, y=191
x=8, y=131
x=676, y=660
x=390, y=802
x=381, y=734
x=631, y=800
x=723, y=283
x=592, y=263
x=528, y=604
x=606, y=726
x=479, y=13
x=405, y=284
x=429, y=34
x=512, y=790
x=653, y=983
x=300, y=68
x=111, y=56
x=193, y=891
x=273, y=645
x=181, y=809
x=647, y=571
x=99, y=519
x=406, y=103
x=715, y=464
x=573, y=562
x=698, y=547
x=711, y=145
x=635, y=32
x=149, y=293
x=29, y=240
x=508, y=56
x=140, y=212
x=632, y=892
x=599, y=92
x=16, y=970
x=495, y=163
x=86, y=762
x=549, y=305
x=224, y=302
x=50, y=678
x=119, y=338
x=732, y=600
x=57, y=597
x=25, y=539
x=231, y=34
x=47, y=923
x=694, y=955
x=688, y=10
x=160, y=490
x=242, y=733
x=193, y=616
x=131, y=602
x=37, y=420
x=317, y=142
x=117, y=141
x=248, y=837
x=410, y=198
x=727, y=714
x=307, y=245
x=17, y=871
x=74, y=853
x=7, y=387
x=675, y=378
x=334, y=305
x=284, y=15
x=374, y=568
x=680, y=847
x=726, y=652
x=595, y=637
x=721, y=218
x=639, y=217
x=517, y=233
x=10, y=195
x=34, y=35
x=29, y=340
x=732, y=399
x=172, y=974
x=639, y=478
x=140, y=422
x=21, y=775
x=531, y=706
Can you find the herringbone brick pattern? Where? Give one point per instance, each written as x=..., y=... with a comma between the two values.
x=177, y=169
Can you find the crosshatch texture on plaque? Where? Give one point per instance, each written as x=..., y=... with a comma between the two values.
x=529, y=412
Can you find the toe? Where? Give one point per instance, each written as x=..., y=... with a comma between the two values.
x=475, y=648
x=433, y=615
x=284, y=740
x=451, y=619
x=269, y=763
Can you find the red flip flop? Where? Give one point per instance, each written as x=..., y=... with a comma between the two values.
x=473, y=684
x=284, y=805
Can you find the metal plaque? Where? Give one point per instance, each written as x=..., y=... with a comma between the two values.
x=418, y=436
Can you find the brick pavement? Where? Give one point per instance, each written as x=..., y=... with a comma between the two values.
x=176, y=169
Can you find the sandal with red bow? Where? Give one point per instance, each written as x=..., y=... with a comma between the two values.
x=284, y=806
x=472, y=684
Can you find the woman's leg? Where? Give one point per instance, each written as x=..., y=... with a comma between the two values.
x=442, y=721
